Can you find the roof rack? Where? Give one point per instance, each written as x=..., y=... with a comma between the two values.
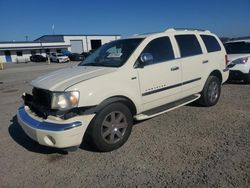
x=187, y=29
x=140, y=34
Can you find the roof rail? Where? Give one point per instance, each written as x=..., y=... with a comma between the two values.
x=187, y=29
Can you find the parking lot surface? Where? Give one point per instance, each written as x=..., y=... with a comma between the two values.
x=190, y=146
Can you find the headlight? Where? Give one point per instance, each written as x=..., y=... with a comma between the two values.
x=242, y=60
x=65, y=100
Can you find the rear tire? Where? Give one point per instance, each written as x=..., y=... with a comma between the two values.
x=111, y=127
x=211, y=92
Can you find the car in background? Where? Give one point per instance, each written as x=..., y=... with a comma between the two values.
x=76, y=57
x=86, y=54
x=38, y=58
x=239, y=59
x=58, y=57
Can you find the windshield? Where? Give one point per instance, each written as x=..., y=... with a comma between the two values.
x=112, y=54
x=238, y=48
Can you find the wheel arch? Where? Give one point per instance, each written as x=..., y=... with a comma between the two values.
x=218, y=74
x=119, y=98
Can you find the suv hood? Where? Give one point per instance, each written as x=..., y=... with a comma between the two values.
x=64, y=78
x=232, y=57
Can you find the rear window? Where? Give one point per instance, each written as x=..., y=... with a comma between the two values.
x=211, y=43
x=188, y=45
x=237, y=48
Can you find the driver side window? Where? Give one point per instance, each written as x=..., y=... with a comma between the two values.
x=161, y=49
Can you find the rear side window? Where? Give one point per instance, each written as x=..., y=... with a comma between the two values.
x=211, y=43
x=188, y=45
x=161, y=49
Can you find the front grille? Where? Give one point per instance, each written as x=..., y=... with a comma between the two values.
x=41, y=97
x=40, y=102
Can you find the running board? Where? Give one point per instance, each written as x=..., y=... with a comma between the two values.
x=166, y=108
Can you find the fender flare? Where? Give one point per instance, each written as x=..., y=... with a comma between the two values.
x=125, y=100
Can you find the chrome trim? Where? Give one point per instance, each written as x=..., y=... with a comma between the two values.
x=170, y=87
x=24, y=117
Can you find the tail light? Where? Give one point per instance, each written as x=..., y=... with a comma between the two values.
x=226, y=60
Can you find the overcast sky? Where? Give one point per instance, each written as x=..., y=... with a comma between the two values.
x=33, y=18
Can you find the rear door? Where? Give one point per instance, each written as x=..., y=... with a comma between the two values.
x=160, y=80
x=191, y=59
x=214, y=54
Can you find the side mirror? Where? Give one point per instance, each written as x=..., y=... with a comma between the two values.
x=146, y=58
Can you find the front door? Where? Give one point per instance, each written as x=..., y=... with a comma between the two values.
x=8, y=56
x=160, y=81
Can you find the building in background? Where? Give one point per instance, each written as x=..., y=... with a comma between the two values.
x=22, y=50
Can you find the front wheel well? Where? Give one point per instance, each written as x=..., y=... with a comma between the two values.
x=218, y=74
x=122, y=99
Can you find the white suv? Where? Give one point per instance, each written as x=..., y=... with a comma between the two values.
x=129, y=79
x=239, y=58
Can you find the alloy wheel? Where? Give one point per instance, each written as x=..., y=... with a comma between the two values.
x=213, y=92
x=114, y=127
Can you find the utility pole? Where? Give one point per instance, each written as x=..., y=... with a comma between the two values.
x=1, y=63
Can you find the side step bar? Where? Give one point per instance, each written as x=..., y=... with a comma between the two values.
x=166, y=108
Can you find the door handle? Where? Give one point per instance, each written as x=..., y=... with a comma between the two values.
x=174, y=68
x=205, y=61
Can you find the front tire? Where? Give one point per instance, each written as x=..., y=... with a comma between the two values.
x=247, y=78
x=211, y=92
x=111, y=127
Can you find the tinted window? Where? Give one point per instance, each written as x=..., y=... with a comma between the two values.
x=161, y=49
x=237, y=48
x=211, y=43
x=188, y=45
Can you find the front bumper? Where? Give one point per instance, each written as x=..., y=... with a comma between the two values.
x=237, y=75
x=243, y=68
x=63, y=60
x=53, y=133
